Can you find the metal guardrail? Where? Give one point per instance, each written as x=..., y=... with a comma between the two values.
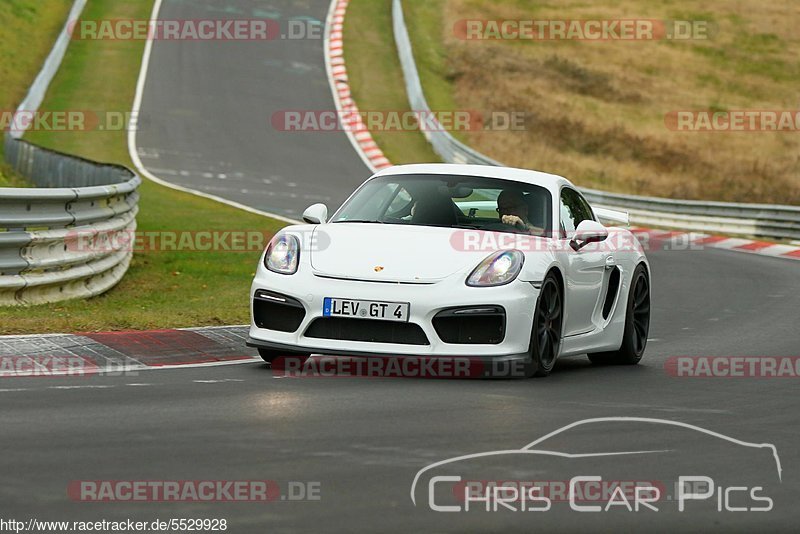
x=69, y=237
x=762, y=220
x=60, y=243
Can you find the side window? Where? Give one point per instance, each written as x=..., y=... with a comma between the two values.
x=588, y=214
x=574, y=210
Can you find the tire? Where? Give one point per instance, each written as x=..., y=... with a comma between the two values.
x=547, y=328
x=637, y=324
x=269, y=355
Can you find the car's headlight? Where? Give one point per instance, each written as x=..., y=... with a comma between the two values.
x=498, y=269
x=283, y=254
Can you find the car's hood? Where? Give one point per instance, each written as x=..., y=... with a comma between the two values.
x=391, y=253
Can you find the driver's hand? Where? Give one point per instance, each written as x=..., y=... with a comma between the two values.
x=513, y=220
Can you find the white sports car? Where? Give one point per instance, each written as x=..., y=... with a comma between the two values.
x=506, y=266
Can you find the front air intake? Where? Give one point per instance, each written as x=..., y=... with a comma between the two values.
x=273, y=311
x=471, y=325
x=370, y=330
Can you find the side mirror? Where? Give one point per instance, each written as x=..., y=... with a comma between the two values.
x=316, y=214
x=588, y=231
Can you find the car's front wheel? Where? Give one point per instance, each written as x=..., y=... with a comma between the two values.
x=547, y=324
x=637, y=324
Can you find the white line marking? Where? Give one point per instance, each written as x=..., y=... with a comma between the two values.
x=80, y=387
x=194, y=328
x=221, y=381
x=199, y=365
x=166, y=171
x=116, y=370
x=19, y=336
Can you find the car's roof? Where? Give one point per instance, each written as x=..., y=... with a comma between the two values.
x=551, y=181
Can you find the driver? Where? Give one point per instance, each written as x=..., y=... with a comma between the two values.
x=513, y=211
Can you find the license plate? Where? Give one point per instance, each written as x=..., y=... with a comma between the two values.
x=365, y=309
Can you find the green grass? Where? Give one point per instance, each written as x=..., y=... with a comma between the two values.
x=96, y=76
x=27, y=32
x=161, y=289
x=426, y=29
x=376, y=78
x=10, y=178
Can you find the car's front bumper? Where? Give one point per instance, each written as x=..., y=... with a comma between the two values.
x=506, y=366
x=426, y=300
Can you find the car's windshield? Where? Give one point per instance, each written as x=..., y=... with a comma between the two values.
x=451, y=201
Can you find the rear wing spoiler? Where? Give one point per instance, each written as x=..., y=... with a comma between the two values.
x=613, y=215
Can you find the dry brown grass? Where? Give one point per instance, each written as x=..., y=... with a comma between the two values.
x=595, y=110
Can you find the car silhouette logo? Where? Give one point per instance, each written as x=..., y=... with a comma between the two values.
x=378, y=268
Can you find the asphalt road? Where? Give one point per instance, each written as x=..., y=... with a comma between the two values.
x=206, y=115
x=206, y=125
x=363, y=440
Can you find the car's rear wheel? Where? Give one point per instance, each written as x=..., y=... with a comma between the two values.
x=637, y=324
x=270, y=355
x=547, y=326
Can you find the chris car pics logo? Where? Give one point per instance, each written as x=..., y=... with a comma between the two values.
x=703, y=472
